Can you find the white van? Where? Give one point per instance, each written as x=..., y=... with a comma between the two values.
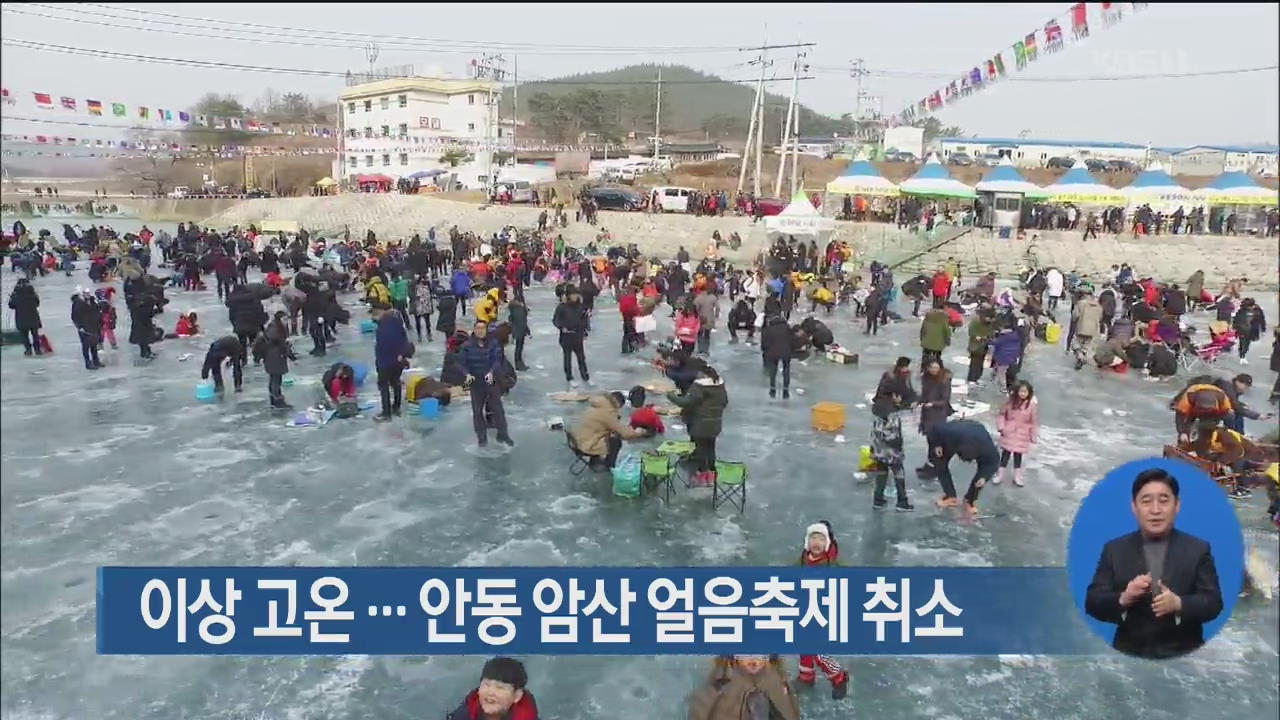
x=180, y=192
x=521, y=190
x=673, y=199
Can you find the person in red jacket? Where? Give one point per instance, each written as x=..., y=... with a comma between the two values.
x=187, y=325
x=821, y=550
x=629, y=308
x=941, y=288
x=644, y=416
x=501, y=694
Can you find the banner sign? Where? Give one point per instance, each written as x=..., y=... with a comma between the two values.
x=586, y=610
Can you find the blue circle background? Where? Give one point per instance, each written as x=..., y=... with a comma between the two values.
x=1107, y=513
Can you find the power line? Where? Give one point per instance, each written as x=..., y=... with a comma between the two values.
x=219, y=65
x=152, y=128
x=1087, y=78
x=439, y=43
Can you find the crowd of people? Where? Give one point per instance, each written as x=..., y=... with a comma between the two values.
x=422, y=288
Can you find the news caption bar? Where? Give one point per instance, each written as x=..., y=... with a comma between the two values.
x=584, y=610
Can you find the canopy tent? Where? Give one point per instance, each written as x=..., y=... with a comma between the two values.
x=422, y=174
x=1006, y=179
x=1078, y=186
x=1238, y=188
x=934, y=180
x=1154, y=186
x=800, y=218
x=862, y=178
x=326, y=182
x=362, y=179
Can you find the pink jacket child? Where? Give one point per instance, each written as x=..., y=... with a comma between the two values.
x=687, y=327
x=1019, y=429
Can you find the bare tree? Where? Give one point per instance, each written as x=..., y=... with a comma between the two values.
x=157, y=170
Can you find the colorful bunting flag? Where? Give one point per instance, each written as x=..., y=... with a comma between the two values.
x=202, y=119
x=999, y=61
x=1030, y=46
x=144, y=113
x=965, y=88
x=93, y=106
x=1080, y=21
x=935, y=101
x=166, y=115
x=43, y=100
x=7, y=96
x=1020, y=55
x=235, y=123
x=975, y=78
x=68, y=103
x=184, y=118
x=118, y=110
x=1052, y=37
x=991, y=70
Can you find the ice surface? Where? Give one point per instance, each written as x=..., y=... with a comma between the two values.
x=124, y=466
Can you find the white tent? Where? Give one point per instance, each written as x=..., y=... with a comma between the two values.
x=1155, y=187
x=862, y=178
x=1237, y=188
x=1078, y=186
x=1006, y=179
x=934, y=180
x=800, y=218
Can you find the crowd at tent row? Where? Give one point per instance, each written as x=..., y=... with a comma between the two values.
x=1153, y=187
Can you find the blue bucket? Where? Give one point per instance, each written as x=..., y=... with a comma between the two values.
x=205, y=392
x=288, y=380
x=359, y=371
x=429, y=408
x=368, y=326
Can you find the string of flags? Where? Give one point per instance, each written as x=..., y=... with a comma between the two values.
x=167, y=117
x=1048, y=39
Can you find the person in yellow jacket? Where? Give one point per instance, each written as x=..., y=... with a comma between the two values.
x=376, y=292
x=487, y=308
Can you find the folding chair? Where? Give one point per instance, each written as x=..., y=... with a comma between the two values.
x=679, y=451
x=730, y=484
x=658, y=470
x=581, y=461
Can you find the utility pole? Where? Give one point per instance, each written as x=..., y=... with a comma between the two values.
x=789, y=128
x=858, y=70
x=515, y=105
x=760, y=112
x=755, y=129
x=751, y=131
x=657, y=120
x=490, y=67
x=371, y=54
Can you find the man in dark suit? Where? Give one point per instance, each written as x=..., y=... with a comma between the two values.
x=1158, y=585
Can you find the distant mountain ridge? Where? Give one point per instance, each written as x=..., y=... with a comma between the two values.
x=694, y=104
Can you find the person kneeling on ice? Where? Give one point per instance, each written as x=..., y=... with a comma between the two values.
x=644, y=417
x=188, y=325
x=339, y=383
x=886, y=447
x=745, y=687
x=501, y=695
x=972, y=443
x=741, y=318
x=600, y=432
x=821, y=549
x=224, y=349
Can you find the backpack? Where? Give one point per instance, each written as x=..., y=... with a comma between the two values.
x=626, y=476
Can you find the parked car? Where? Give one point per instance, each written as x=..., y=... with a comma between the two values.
x=902, y=157
x=770, y=206
x=180, y=192
x=1096, y=165
x=258, y=193
x=521, y=190
x=611, y=198
x=673, y=199
x=960, y=159
x=1060, y=163
x=988, y=159
x=1123, y=166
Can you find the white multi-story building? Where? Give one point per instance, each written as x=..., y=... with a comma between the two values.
x=402, y=126
x=1032, y=153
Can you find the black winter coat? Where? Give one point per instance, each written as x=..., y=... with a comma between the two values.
x=571, y=319
x=274, y=349
x=775, y=339
x=141, y=330
x=246, y=311
x=87, y=317
x=25, y=304
x=935, y=390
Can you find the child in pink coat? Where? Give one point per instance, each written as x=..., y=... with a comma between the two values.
x=1019, y=429
x=687, y=327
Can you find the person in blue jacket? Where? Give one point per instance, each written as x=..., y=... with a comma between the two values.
x=460, y=284
x=391, y=351
x=481, y=355
x=972, y=443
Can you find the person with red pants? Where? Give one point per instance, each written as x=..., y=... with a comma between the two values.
x=820, y=548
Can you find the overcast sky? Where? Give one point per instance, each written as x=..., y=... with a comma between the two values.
x=911, y=42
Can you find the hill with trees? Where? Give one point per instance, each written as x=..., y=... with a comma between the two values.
x=695, y=105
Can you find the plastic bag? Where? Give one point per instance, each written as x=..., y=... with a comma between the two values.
x=626, y=476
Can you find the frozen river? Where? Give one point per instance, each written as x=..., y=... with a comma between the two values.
x=123, y=466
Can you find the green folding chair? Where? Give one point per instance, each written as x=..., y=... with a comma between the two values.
x=730, y=485
x=680, y=451
x=658, y=471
